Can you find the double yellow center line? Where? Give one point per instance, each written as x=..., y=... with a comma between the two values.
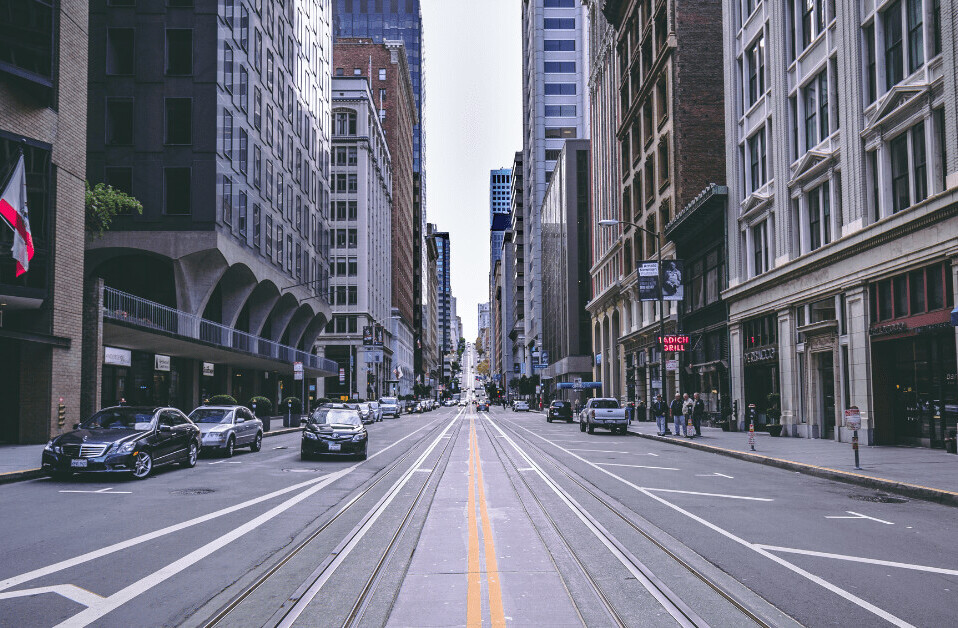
x=474, y=599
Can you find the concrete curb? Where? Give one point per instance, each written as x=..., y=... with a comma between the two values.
x=914, y=491
x=31, y=474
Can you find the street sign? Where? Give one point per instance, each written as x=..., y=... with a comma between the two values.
x=297, y=371
x=342, y=375
x=368, y=335
x=853, y=419
x=671, y=365
x=577, y=383
x=209, y=369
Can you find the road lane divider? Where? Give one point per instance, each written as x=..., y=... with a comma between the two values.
x=474, y=585
x=496, y=610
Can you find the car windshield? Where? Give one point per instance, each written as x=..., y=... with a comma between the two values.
x=390, y=400
x=335, y=416
x=120, y=419
x=605, y=404
x=211, y=415
x=373, y=404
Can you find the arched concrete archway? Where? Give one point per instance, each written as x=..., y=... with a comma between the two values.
x=139, y=273
x=260, y=303
x=279, y=317
x=298, y=323
x=312, y=332
x=234, y=288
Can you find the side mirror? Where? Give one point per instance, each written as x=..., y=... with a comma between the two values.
x=166, y=428
x=76, y=426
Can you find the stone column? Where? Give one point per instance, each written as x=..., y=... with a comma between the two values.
x=859, y=360
x=91, y=377
x=789, y=388
x=736, y=368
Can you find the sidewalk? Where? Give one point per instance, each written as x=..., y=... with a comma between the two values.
x=22, y=462
x=929, y=474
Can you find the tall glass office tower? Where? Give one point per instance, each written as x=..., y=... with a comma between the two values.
x=382, y=20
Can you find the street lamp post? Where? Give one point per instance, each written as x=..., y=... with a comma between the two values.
x=658, y=240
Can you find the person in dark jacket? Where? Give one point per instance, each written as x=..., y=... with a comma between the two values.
x=660, y=411
x=676, y=408
x=698, y=413
x=642, y=412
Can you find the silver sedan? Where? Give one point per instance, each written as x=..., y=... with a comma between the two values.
x=225, y=428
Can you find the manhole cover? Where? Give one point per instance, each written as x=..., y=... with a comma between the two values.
x=193, y=491
x=879, y=498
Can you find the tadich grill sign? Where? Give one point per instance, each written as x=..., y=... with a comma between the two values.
x=675, y=343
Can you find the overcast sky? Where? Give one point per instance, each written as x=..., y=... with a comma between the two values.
x=473, y=71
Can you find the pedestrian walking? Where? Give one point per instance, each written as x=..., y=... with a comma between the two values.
x=698, y=413
x=687, y=404
x=642, y=412
x=659, y=410
x=677, y=417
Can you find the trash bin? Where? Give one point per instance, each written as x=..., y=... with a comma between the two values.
x=951, y=442
x=265, y=420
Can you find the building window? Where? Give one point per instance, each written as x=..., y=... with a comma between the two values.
x=257, y=108
x=179, y=52
x=894, y=54
x=269, y=237
x=228, y=134
x=179, y=121
x=871, y=63
x=289, y=253
x=901, y=197
x=916, y=38
x=242, y=214
x=257, y=49
x=257, y=166
x=560, y=67
x=244, y=88
x=664, y=161
x=559, y=23
x=760, y=257
x=269, y=76
x=177, y=191
x=758, y=169
x=29, y=40
x=560, y=111
x=280, y=238
x=755, y=56
x=227, y=194
x=119, y=121
x=257, y=230
x=269, y=180
x=228, y=68
x=244, y=27
x=568, y=132
x=819, y=216
x=243, y=149
x=919, y=162
x=560, y=89
x=120, y=51
x=344, y=123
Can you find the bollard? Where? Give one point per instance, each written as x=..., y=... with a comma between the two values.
x=855, y=448
x=751, y=435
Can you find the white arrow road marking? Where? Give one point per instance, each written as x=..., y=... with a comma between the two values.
x=859, y=559
x=712, y=475
x=69, y=591
x=102, y=491
x=857, y=515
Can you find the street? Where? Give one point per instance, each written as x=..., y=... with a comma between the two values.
x=472, y=518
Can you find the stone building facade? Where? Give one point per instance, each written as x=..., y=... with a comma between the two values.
x=43, y=111
x=843, y=215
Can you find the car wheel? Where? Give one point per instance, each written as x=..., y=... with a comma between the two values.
x=303, y=456
x=363, y=455
x=230, y=447
x=194, y=453
x=142, y=465
x=590, y=429
x=257, y=443
x=581, y=426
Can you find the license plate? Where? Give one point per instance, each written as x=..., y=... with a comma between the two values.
x=78, y=463
x=335, y=447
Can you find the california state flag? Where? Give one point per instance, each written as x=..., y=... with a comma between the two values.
x=13, y=208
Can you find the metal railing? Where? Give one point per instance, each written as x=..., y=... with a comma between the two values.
x=133, y=310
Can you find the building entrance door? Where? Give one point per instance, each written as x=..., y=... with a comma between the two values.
x=826, y=392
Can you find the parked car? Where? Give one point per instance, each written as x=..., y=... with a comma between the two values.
x=389, y=407
x=606, y=413
x=520, y=406
x=126, y=439
x=377, y=410
x=334, y=429
x=365, y=412
x=559, y=409
x=228, y=427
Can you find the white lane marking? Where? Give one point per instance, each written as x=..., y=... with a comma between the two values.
x=149, y=536
x=280, y=447
x=712, y=475
x=102, y=491
x=854, y=599
x=743, y=497
x=857, y=515
x=601, y=451
x=317, y=586
x=600, y=533
x=859, y=559
x=227, y=462
x=636, y=466
x=69, y=591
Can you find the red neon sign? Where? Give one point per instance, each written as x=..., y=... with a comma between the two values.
x=675, y=343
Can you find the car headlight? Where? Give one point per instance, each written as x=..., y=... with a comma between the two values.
x=310, y=435
x=125, y=448
x=49, y=447
x=359, y=437
x=215, y=435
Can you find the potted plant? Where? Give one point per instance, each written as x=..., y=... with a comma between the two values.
x=774, y=413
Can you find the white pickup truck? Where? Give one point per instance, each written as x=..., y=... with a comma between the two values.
x=603, y=413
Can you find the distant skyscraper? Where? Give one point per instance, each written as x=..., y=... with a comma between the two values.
x=555, y=109
x=500, y=203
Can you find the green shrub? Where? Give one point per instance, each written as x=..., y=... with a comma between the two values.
x=263, y=405
x=297, y=405
x=222, y=400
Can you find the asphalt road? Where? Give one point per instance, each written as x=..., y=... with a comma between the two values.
x=465, y=518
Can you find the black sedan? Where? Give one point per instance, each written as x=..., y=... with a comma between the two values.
x=559, y=410
x=482, y=406
x=334, y=430
x=124, y=439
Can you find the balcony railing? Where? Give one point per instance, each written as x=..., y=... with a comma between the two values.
x=133, y=310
